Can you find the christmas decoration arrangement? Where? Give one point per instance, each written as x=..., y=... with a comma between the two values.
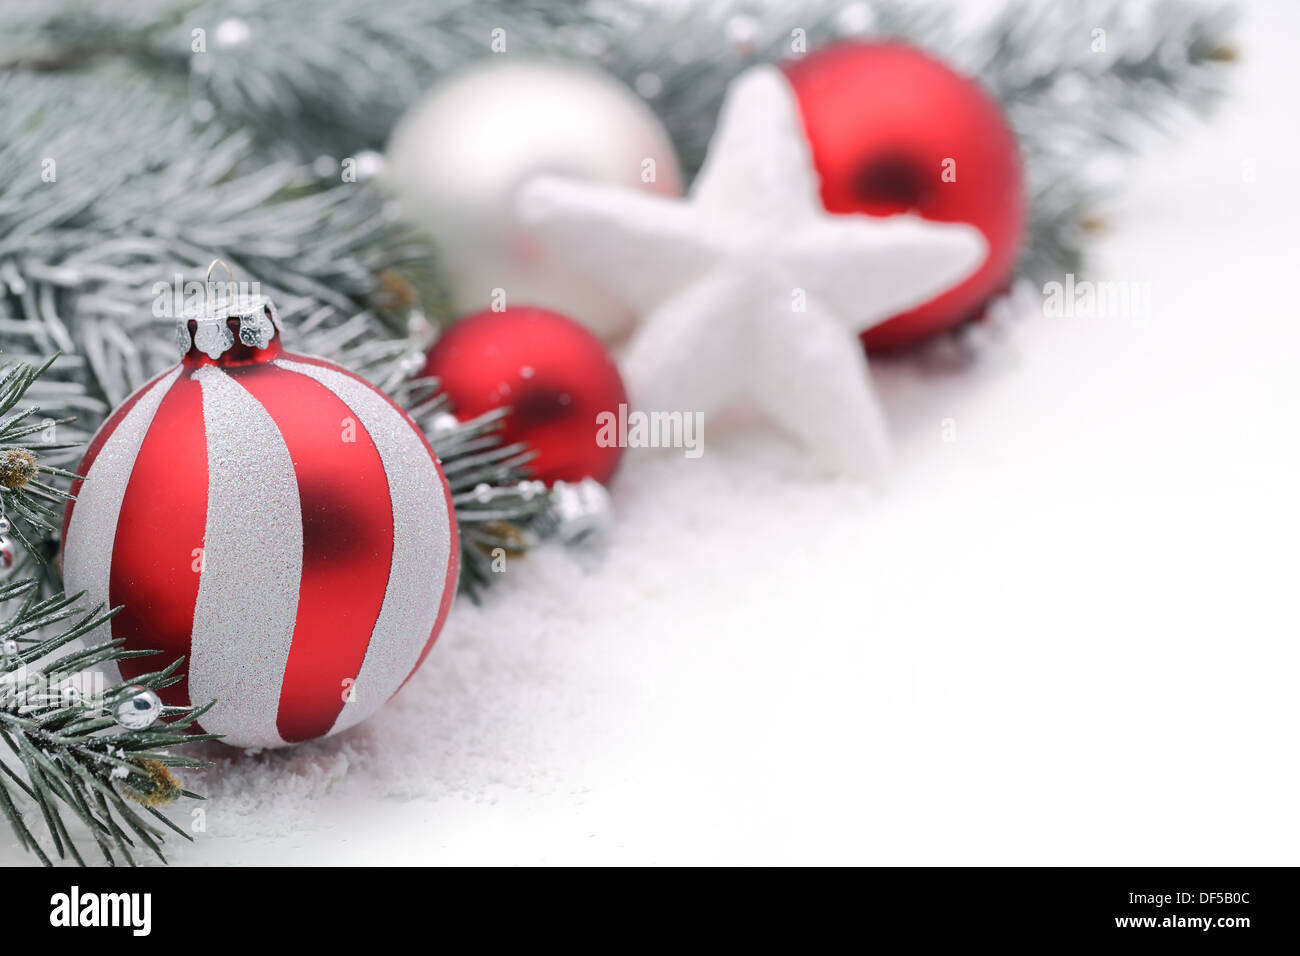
x=457, y=234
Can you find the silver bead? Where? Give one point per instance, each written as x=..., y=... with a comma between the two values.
x=369, y=164
x=232, y=33
x=649, y=85
x=10, y=647
x=855, y=18
x=579, y=511
x=442, y=423
x=528, y=490
x=324, y=166
x=70, y=695
x=4, y=524
x=139, y=709
x=742, y=33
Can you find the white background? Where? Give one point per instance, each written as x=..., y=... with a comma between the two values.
x=1068, y=637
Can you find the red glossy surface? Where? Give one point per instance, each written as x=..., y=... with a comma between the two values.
x=553, y=373
x=154, y=575
x=881, y=121
x=347, y=543
x=453, y=565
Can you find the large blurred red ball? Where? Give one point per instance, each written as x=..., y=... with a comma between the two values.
x=881, y=121
x=553, y=373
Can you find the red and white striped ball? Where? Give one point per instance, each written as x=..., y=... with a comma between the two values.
x=277, y=521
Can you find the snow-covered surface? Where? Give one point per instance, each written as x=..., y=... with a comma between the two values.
x=1068, y=636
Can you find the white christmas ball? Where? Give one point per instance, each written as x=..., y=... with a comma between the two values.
x=461, y=153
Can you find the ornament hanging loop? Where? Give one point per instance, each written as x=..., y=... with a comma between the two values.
x=214, y=299
x=230, y=273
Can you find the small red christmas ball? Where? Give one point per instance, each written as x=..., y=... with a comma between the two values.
x=553, y=373
x=893, y=130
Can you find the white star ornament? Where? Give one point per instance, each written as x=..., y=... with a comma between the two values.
x=749, y=289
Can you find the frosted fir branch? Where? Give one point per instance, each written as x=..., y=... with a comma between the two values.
x=67, y=757
x=82, y=255
x=310, y=76
x=87, y=241
x=1086, y=84
x=321, y=79
x=348, y=71
x=30, y=502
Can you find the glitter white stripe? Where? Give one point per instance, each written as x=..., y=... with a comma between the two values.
x=248, y=590
x=421, y=543
x=88, y=552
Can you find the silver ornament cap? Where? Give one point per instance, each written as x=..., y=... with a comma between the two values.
x=139, y=709
x=227, y=307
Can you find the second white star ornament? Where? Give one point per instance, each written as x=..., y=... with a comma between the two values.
x=749, y=289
